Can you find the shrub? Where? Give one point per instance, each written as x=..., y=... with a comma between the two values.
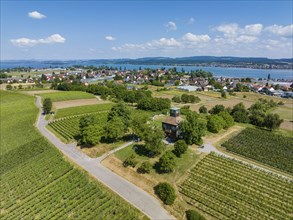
x=167, y=162
x=215, y=123
x=203, y=109
x=180, y=147
x=145, y=167
x=130, y=161
x=166, y=193
x=193, y=215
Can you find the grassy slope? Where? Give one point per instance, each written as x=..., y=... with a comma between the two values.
x=68, y=95
x=36, y=182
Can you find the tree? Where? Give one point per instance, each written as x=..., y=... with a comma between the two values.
x=145, y=167
x=193, y=215
x=215, y=123
x=217, y=109
x=192, y=129
x=223, y=94
x=92, y=134
x=272, y=121
x=269, y=77
x=165, y=192
x=130, y=161
x=180, y=147
x=47, y=105
x=114, y=129
x=185, y=98
x=153, y=140
x=167, y=162
x=176, y=99
x=239, y=113
x=203, y=109
x=85, y=121
x=139, y=125
x=229, y=120
x=9, y=87
x=120, y=110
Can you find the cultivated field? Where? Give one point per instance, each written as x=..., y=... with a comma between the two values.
x=37, y=183
x=78, y=102
x=263, y=146
x=68, y=95
x=227, y=189
x=86, y=109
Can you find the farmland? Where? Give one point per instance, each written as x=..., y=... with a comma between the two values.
x=83, y=110
x=272, y=149
x=68, y=127
x=227, y=189
x=68, y=95
x=37, y=183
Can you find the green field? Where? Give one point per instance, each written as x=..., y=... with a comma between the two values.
x=227, y=189
x=78, y=110
x=68, y=127
x=68, y=95
x=269, y=148
x=37, y=183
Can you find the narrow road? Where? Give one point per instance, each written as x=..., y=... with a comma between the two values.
x=131, y=193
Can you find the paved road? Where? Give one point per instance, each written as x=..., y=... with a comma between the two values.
x=208, y=148
x=131, y=193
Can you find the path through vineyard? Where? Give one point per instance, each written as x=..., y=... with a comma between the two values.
x=131, y=193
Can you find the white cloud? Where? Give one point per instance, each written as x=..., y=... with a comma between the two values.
x=253, y=29
x=190, y=21
x=229, y=30
x=171, y=26
x=279, y=30
x=168, y=42
x=26, y=42
x=196, y=38
x=36, y=15
x=110, y=38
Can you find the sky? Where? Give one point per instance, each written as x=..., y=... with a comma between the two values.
x=65, y=30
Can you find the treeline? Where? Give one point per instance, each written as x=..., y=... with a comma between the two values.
x=185, y=98
x=115, y=92
x=258, y=115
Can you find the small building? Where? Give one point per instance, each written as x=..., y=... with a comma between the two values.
x=171, y=123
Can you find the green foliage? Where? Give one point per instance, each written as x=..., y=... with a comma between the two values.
x=264, y=146
x=92, y=134
x=114, y=129
x=9, y=87
x=229, y=120
x=176, y=99
x=185, y=110
x=239, y=113
x=121, y=110
x=223, y=94
x=192, y=129
x=130, y=161
x=237, y=188
x=86, y=121
x=166, y=193
x=138, y=125
x=193, y=215
x=203, y=109
x=215, y=123
x=47, y=105
x=185, y=98
x=272, y=121
x=153, y=104
x=153, y=140
x=217, y=109
x=145, y=167
x=167, y=162
x=180, y=147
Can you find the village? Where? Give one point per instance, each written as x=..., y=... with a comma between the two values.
x=198, y=80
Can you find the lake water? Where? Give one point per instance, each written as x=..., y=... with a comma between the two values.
x=217, y=71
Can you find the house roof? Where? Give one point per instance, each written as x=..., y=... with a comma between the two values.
x=173, y=120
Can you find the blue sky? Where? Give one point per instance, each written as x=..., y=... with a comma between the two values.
x=131, y=29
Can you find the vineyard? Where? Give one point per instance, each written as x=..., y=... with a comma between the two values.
x=36, y=182
x=68, y=127
x=86, y=109
x=264, y=146
x=226, y=189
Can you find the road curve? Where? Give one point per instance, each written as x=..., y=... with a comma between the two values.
x=128, y=191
